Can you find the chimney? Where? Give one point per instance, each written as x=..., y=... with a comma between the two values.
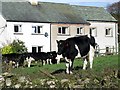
x=33, y=2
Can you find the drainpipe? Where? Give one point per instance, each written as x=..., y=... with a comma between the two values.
x=50, y=37
x=116, y=37
x=0, y=62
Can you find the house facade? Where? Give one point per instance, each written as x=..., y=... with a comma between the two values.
x=103, y=27
x=19, y=20
x=40, y=24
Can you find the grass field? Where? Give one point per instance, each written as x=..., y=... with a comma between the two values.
x=104, y=73
x=100, y=64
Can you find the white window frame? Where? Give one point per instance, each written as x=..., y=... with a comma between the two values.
x=63, y=30
x=36, y=29
x=80, y=30
x=19, y=28
x=93, y=31
x=108, y=32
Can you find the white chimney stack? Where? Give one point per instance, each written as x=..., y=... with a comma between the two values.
x=33, y=2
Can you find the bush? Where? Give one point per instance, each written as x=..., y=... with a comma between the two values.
x=17, y=46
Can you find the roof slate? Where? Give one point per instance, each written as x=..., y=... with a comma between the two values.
x=93, y=13
x=21, y=11
x=51, y=12
x=57, y=12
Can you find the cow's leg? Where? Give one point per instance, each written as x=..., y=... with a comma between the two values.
x=17, y=64
x=68, y=66
x=47, y=61
x=85, y=63
x=71, y=66
x=44, y=61
x=50, y=61
x=58, y=58
x=91, y=56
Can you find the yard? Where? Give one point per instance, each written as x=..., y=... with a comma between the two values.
x=103, y=75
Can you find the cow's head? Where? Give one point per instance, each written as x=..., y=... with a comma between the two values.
x=61, y=46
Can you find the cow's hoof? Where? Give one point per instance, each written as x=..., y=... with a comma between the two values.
x=67, y=72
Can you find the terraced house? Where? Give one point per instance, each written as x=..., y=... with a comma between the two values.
x=40, y=24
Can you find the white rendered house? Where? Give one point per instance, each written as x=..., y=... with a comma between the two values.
x=22, y=21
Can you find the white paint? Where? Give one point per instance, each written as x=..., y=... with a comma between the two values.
x=26, y=35
x=103, y=40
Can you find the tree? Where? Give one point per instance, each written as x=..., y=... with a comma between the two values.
x=17, y=46
x=114, y=10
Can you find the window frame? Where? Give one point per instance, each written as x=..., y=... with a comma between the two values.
x=19, y=29
x=93, y=30
x=63, y=30
x=80, y=30
x=110, y=32
x=37, y=29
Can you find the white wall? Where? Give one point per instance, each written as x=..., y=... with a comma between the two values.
x=101, y=39
x=2, y=29
x=27, y=37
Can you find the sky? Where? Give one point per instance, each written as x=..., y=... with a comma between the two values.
x=99, y=3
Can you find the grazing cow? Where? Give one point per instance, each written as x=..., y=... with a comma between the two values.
x=43, y=56
x=77, y=46
x=48, y=57
x=16, y=59
x=52, y=57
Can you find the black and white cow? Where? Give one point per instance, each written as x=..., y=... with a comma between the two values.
x=48, y=57
x=83, y=46
x=13, y=58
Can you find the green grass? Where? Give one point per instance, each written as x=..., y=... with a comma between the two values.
x=100, y=64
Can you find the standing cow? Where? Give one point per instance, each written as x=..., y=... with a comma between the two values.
x=83, y=46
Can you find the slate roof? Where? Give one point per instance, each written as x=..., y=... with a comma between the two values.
x=90, y=13
x=21, y=11
x=46, y=12
x=58, y=12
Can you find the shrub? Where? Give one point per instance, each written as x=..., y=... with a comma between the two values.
x=17, y=46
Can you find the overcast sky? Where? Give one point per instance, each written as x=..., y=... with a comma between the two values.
x=101, y=3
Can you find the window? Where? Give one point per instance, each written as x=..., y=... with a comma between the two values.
x=80, y=30
x=63, y=30
x=108, y=31
x=107, y=49
x=93, y=31
x=17, y=28
x=36, y=49
x=37, y=29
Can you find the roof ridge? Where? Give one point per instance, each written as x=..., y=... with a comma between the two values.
x=53, y=3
